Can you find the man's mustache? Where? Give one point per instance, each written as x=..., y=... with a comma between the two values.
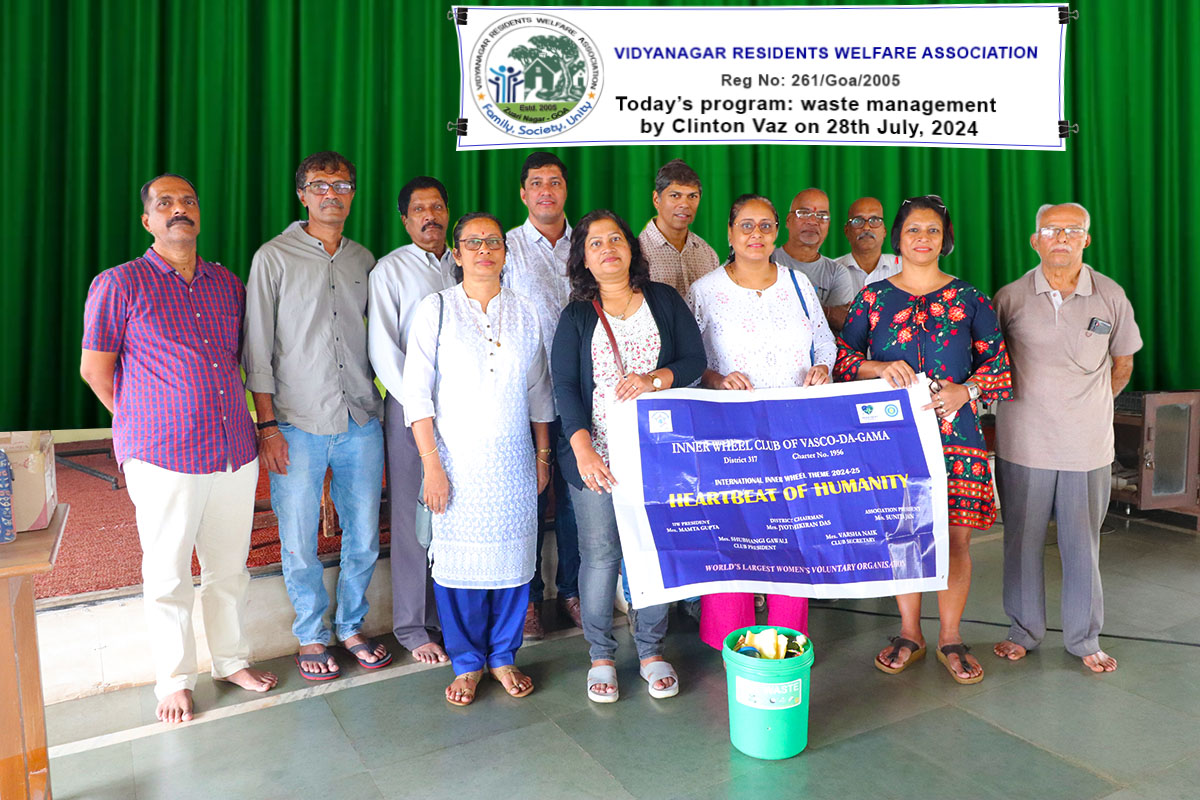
x=185, y=220
x=865, y=234
x=332, y=201
x=433, y=224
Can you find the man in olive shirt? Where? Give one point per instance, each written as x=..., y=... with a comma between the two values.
x=1071, y=337
x=305, y=357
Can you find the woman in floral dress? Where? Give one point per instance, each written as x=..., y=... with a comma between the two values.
x=926, y=321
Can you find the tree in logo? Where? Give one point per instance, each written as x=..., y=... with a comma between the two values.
x=559, y=58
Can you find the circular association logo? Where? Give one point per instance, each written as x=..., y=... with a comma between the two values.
x=535, y=75
x=891, y=409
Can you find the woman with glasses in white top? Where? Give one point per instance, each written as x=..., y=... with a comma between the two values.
x=475, y=385
x=762, y=327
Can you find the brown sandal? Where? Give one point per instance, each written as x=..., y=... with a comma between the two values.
x=511, y=672
x=961, y=651
x=468, y=695
x=917, y=652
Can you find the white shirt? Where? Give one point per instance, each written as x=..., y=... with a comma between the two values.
x=399, y=281
x=538, y=271
x=640, y=344
x=767, y=338
x=887, y=266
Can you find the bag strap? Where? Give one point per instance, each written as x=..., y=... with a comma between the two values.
x=812, y=347
x=612, y=340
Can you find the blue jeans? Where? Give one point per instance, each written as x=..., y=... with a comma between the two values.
x=356, y=458
x=566, y=534
x=600, y=551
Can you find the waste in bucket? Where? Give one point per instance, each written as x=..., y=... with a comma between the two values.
x=768, y=699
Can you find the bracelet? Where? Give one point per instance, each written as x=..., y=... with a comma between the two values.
x=271, y=423
x=545, y=450
x=272, y=436
x=431, y=452
x=543, y=461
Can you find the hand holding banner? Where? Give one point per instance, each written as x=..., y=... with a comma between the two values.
x=825, y=491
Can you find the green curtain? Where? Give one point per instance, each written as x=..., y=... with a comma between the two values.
x=98, y=96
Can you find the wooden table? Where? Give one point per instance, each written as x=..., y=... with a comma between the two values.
x=24, y=763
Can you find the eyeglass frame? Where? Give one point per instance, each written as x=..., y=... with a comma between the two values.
x=1056, y=230
x=329, y=185
x=770, y=226
x=798, y=214
x=866, y=221
x=500, y=244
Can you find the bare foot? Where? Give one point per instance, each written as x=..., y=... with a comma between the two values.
x=430, y=653
x=603, y=688
x=318, y=664
x=664, y=683
x=369, y=656
x=175, y=707
x=462, y=691
x=1100, y=661
x=252, y=680
x=1010, y=650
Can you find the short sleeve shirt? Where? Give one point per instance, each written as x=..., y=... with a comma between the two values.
x=830, y=279
x=1061, y=416
x=179, y=401
x=678, y=269
x=886, y=267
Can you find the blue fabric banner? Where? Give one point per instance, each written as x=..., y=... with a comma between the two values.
x=828, y=491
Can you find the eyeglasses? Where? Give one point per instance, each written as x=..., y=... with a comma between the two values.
x=322, y=187
x=1053, y=233
x=859, y=221
x=492, y=242
x=766, y=226
x=819, y=216
x=932, y=198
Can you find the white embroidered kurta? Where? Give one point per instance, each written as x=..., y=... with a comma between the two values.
x=766, y=338
x=484, y=399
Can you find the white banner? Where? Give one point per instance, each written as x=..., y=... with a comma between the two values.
x=826, y=491
x=986, y=76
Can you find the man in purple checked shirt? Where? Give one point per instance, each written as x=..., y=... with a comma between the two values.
x=161, y=341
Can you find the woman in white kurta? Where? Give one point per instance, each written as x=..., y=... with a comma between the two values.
x=471, y=418
x=763, y=327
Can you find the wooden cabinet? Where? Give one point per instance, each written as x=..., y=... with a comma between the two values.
x=1157, y=451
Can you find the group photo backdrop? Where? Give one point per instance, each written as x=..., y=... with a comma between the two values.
x=101, y=96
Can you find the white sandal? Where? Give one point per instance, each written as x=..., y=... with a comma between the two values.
x=656, y=671
x=603, y=674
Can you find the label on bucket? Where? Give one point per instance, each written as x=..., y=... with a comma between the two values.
x=767, y=695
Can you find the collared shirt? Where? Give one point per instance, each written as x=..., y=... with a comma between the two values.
x=179, y=402
x=887, y=266
x=673, y=267
x=829, y=278
x=306, y=342
x=1061, y=415
x=538, y=271
x=399, y=281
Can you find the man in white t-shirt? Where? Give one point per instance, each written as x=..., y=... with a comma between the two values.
x=866, y=229
x=808, y=225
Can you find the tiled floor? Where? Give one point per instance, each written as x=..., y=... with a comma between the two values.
x=1039, y=728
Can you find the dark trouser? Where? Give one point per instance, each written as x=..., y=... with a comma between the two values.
x=414, y=612
x=565, y=532
x=482, y=626
x=1078, y=502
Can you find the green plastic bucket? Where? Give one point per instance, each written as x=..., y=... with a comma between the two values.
x=768, y=699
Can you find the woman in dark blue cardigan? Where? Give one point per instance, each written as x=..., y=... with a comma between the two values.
x=658, y=346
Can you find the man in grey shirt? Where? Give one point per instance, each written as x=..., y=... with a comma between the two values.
x=305, y=356
x=808, y=225
x=399, y=282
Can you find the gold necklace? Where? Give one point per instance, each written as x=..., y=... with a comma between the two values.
x=729, y=272
x=621, y=316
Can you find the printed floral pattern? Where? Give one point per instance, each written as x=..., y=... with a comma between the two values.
x=952, y=334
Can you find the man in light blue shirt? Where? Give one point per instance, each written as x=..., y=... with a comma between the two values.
x=536, y=266
x=866, y=229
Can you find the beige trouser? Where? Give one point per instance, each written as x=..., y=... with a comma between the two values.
x=213, y=513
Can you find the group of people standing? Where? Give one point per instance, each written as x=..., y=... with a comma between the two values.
x=500, y=354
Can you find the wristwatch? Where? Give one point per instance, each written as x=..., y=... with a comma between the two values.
x=656, y=382
x=973, y=390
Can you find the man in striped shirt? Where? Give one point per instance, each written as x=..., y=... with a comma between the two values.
x=160, y=350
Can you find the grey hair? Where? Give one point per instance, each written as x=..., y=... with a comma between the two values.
x=1087, y=218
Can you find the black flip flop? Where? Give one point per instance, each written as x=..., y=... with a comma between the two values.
x=369, y=647
x=311, y=657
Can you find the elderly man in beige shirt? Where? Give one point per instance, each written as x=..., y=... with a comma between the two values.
x=1071, y=337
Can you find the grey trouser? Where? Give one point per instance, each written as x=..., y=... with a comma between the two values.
x=414, y=612
x=1078, y=502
